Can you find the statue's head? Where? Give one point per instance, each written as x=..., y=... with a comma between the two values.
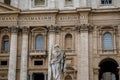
x=56, y=47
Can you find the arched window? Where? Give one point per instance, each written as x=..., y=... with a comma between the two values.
x=68, y=77
x=106, y=1
x=68, y=41
x=5, y=42
x=39, y=44
x=107, y=41
x=7, y=2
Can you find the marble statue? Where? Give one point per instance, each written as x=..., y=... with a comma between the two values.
x=57, y=63
x=108, y=76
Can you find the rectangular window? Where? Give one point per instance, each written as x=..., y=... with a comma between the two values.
x=106, y=1
x=38, y=63
x=68, y=2
x=4, y=63
x=7, y=2
x=39, y=2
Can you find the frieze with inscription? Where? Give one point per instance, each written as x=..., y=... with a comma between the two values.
x=8, y=20
x=37, y=20
x=68, y=19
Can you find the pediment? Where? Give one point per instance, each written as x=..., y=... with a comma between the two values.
x=4, y=8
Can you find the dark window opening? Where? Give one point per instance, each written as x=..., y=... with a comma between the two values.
x=38, y=62
x=5, y=45
x=39, y=44
x=38, y=76
x=7, y=2
x=4, y=63
x=106, y=1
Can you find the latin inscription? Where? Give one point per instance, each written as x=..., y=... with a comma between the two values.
x=37, y=18
x=7, y=18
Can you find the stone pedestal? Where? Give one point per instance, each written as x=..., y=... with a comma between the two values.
x=13, y=55
x=24, y=55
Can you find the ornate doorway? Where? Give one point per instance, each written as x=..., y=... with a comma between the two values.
x=108, y=70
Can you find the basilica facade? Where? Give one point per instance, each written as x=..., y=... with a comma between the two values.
x=88, y=31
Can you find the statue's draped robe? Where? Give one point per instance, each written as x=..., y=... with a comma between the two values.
x=58, y=66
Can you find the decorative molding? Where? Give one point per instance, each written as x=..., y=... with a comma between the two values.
x=51, y=28
x=25, y=30
x=14, y=29
x=58, y=29
x=84, y=27
x=77, y=28
x=54, y=28
x=96, y=70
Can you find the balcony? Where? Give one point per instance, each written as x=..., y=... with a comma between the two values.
x=38, y=53
x=69, y=52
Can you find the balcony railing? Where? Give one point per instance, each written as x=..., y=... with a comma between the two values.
x=38, y=53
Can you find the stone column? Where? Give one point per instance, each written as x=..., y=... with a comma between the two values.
x=50, y=45
x=84, y=55
x=95, y=40
x=114, y=41
x=24, y=54
x=100, y=42
x=13, y=54
x=77, y=49
x=96, y=74
x=58, y=28
x=119, y=38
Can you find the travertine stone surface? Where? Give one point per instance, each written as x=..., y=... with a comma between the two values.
x=24, y=55
x=15, y=3
x=84, y=51
x=84, y=58
x=50, y=46
x=13, y=55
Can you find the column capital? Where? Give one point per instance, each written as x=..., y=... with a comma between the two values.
x=58, y=29
x=51, y=28
x=25, y=30
x=54, y=28
x=14, y=29
x=77, y=28
x=84, y=27
x=96, y=70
